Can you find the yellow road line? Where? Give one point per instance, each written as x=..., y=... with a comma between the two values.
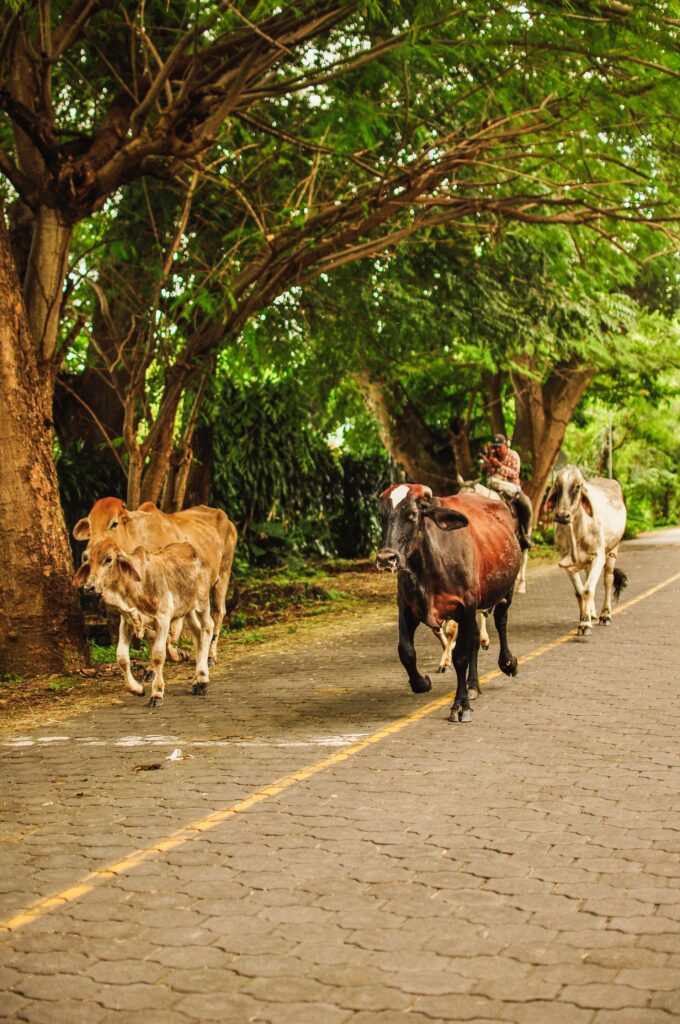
x=191, y=831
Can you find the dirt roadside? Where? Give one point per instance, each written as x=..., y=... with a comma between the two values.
x=353, y=599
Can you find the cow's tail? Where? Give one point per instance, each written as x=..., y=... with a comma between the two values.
x=620, y=583
x=233, y=600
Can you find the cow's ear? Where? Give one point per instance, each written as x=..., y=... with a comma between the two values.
x=447, y=518
x=127, y=567
x=81, y=531
x=585, y=503
x=81, y=577
x=551, y=500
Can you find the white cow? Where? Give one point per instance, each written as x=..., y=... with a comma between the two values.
x=151, y=592
x=590, y=517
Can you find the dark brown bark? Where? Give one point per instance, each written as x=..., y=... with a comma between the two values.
x=544, y=410
x=406, y=437
x=200, y=473
x=41, y=625
x=492, y=384
x=459, y=436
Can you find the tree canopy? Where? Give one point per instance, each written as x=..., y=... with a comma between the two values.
x=438, y=219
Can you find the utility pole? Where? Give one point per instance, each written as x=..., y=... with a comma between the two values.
x=610, y=445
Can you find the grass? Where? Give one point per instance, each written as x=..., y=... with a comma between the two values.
x=60, y=685
x=251, y=636
x=105, y=655
x=102, y=655
x=8, y=679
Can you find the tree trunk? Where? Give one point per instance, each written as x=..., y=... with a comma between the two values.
x=41, y=625
x=159, y=451
x=406, y=437
x=543, y=413
x=492, y=384
x=45, y=274
x=200, y=472
x=459, y=436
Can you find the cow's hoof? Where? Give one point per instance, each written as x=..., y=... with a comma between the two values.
x=605, y=620
x=485, y=644
x=441, y=669
x=584, y=630
x=474, y=691
x=521, y=587
x=422, y=685
x=182, y=655
x=460, y=715
x=156, y=702
x=510, y=667
x=149, y=675
x=199, y=689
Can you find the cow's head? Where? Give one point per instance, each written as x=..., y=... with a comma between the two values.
x=569, y=493
x=404, y=509
x=104, y=517
x=107, y=566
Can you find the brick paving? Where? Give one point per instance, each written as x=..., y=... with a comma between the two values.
x=523, y=868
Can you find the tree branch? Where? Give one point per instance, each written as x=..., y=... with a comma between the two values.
x=70, y=26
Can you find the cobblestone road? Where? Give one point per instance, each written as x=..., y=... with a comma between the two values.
x=523, y=868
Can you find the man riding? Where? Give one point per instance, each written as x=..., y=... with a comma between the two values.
x=501, y=465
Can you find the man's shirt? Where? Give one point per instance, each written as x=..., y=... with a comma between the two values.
x=510, y=466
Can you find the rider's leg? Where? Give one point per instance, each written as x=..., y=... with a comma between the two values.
x=525, y=515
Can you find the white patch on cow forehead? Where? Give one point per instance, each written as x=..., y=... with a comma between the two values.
x=398, y=494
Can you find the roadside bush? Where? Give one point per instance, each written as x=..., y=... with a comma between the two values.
x=291, y=495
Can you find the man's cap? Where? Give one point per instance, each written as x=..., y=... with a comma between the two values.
x=499, y=439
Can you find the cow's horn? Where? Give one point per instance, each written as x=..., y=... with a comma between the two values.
x=461, y=482
x=427, y=491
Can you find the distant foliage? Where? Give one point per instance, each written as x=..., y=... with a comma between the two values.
x=85, y=474
x=275, y=474
x=646, y=451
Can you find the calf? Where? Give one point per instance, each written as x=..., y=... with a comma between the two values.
x=590, y=518
x=208, y=530
x=455, y=556
x=151, y=592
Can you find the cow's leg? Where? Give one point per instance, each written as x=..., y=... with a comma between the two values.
x=467, y=629
x=218, y=600
x=125, y=634
x=408, y=624
x=447, y=638
x=473, y=686
x=609, y=566
x=507, y=662
x=588, y=612
x=176, y=653
x=483, y=631
x=157, y=662
x=202, y=626
x=521, y=585
x=577, y=584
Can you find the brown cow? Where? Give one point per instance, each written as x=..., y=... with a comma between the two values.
x=151, y=591
x=455, y=556
x=208, y=530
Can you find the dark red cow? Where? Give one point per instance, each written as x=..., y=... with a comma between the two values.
x=454, y=556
